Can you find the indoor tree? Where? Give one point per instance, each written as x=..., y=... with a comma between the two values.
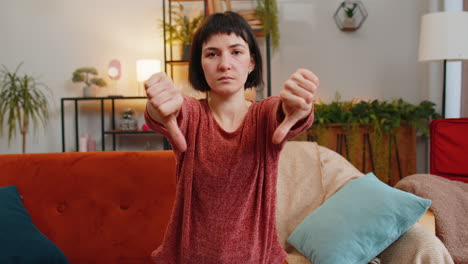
x=22, y=102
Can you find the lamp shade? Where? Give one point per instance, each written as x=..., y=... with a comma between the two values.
x=444, y=36
x=146, y=68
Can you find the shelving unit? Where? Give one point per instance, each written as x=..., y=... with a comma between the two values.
x=112, y=131
x=171, y=63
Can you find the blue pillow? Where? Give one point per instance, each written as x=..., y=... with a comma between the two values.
x=20, y=241
x=357, y=222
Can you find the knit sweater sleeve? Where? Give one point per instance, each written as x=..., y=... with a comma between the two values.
x=189, y=107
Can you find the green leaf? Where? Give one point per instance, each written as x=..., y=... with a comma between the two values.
x=82, y=75
x=385, y=116
x=182, y=28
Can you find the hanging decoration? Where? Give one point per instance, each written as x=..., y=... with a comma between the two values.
x=350, y=15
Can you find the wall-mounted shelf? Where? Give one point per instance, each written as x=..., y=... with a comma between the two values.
x=177, y=62
x=350, y=15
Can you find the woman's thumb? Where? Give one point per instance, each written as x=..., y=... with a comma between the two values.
x=282, y=130
x=176, y=135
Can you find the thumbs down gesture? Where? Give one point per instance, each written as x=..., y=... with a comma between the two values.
x=297, y=101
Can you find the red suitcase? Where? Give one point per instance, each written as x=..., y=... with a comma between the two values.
x=449, y=148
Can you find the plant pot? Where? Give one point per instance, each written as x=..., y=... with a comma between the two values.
x=349, y=23
x=88, y=91
x=359, y=145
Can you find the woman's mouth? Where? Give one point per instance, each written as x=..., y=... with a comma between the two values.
x=225, y=78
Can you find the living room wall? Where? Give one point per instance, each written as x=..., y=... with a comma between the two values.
x=377, y=61
x=53, y=38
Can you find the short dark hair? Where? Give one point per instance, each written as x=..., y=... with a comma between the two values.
x=223, y=23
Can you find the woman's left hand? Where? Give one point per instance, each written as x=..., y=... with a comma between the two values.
x=297, y=101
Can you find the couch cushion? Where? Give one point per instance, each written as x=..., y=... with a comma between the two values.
x=357, y=223
x=20, y=240
x=308, y=174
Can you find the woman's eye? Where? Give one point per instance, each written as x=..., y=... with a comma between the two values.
x=211, y=54
x=237, y=52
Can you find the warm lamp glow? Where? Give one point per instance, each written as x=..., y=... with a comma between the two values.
x=146, y=68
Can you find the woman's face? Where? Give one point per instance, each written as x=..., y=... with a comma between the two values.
x=226, y=63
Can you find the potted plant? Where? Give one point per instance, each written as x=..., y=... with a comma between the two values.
x=373, y=135
x=181, y=29
x=22, y=102
x=83, y=75
x=349, y=21
x=267, y=10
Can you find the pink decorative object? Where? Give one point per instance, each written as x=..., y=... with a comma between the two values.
x=145, y=127
x=83, y=144
x=114, y=69
x=92, y=145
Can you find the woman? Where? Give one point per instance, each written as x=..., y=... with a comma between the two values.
x=227, y=148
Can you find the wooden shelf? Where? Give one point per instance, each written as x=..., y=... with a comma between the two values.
x=119, y=131
x=259, y=33
x=177, y=62
x=113, y=98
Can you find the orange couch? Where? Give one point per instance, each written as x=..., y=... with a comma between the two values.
x=113, y=207
x=97, y=207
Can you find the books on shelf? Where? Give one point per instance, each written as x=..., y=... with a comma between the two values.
x=216, y=6
x=255, y=22
x=246, y=12
x=256, y=27
x=252, y=18
x=228, y=5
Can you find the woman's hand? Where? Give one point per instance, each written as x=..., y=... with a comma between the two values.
x=165, y=101
x=297, y=101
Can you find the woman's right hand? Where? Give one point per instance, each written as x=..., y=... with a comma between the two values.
x=165, y=102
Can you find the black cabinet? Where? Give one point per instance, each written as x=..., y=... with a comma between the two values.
x=112, y=131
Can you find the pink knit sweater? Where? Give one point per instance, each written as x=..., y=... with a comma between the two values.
x=224, y=212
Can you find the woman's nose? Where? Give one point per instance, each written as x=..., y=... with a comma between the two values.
x=225, y=63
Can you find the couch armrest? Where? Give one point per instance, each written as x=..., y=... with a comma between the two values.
x=428, y=221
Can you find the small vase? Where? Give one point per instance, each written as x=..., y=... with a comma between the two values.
x=87, y=91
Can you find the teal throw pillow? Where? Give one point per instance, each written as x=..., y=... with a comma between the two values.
x=357, y=222
x=20, y=241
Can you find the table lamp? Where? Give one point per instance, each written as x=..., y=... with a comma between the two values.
x=444, y=37
x=146, y=68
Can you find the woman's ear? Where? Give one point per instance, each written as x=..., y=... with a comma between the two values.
x=251, y=65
